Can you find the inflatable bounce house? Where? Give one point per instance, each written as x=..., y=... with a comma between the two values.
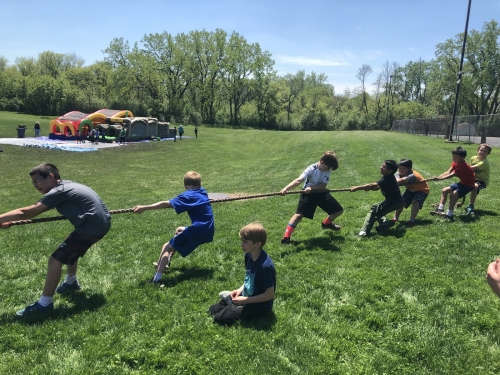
x=109, y=120
x=67, y=125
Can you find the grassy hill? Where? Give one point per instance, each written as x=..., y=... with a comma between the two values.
x=413, y=301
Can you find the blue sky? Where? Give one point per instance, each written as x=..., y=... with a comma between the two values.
x=326, y=36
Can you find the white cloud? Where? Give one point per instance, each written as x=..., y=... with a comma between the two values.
x=300, y=60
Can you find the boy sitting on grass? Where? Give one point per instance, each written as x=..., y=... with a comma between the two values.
x=393, y=199
x=196, y=203
x=83, y=208
x=254, y=299
x=481, y=167
x=316, y=177
x=462, y=170
x=416, y=191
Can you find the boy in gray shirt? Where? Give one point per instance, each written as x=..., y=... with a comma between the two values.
x=83, y=208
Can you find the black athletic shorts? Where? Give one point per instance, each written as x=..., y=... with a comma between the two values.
x=325, y=201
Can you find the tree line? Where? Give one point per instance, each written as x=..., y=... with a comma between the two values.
x=215, y=78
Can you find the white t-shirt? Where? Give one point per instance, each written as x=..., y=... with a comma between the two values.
x=313, y=176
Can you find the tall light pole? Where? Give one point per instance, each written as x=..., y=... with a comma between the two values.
x=459, y=74
x=388, y=98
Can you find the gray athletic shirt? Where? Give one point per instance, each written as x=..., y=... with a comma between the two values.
x=81, y=206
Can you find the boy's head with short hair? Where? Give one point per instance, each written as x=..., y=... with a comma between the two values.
x=391, y=166
x=329, y=158
x=404, y=167
x=192, y=179
x=44, y=170
x=459, y=154
x=254, y=232
x=486, y=149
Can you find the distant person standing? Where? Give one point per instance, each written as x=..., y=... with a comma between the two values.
x=175, y=133
x=181, y=131
x=36, y=129
x=196, y=131
x=123, y=133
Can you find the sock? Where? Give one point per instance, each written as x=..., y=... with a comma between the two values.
x=157, y=276
x=45, y=301
x=327, y=221
x=395, y=219
x=70, y=279
x=289, y=230
x=441, y=207
x=449, y=212
x=412, y=219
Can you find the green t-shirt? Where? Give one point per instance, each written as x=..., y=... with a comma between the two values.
x=481, y=169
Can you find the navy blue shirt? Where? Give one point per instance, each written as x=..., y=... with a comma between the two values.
x=260, y=275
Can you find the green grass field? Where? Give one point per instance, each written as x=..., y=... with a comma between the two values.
x=414, y=301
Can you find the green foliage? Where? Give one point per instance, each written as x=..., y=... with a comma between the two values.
x=413, y=301
x=212, y=77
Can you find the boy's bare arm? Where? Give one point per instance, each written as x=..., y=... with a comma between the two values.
x=23, y=213
x=264, y=297
x=448, y=174
x=292, y=184
x=154, y=206
x=372, y=186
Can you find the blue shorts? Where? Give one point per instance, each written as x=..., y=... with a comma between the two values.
x=185, y=242
x=461, y=188
x=410, y=196
x=74, y=247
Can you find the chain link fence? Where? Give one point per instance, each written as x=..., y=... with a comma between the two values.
x=472, y=128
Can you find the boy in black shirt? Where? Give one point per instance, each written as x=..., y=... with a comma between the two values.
x=390, y=189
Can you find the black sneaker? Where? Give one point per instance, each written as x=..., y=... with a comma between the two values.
x=331, y=226
x=449, y=218
x=285, y=240
x=66, y=288
x=35, y=308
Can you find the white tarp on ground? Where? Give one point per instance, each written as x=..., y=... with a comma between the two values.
x=56, y=144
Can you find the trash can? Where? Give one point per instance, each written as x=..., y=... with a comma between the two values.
x=21, y=130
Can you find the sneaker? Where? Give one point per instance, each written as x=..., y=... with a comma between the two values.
x=331, y=226
x=285, y=240
x=469, y=209
x=362, y=234
x=35, y=308
x=389, y=223
x=410, y=224
x=66, y=288
x=224, y=294
x=437, y=211
x=448, y=217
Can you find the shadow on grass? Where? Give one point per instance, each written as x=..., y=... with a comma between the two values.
x=262, y=324
x=484, y=213
x=311, y=243
x=175, y=276
x=81, y=303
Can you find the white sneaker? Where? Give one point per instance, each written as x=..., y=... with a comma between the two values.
x=362, y=233
x=224, y=294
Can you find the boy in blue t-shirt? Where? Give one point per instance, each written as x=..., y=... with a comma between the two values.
x=393, y=201
x=254, y=299
x=196, y=203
